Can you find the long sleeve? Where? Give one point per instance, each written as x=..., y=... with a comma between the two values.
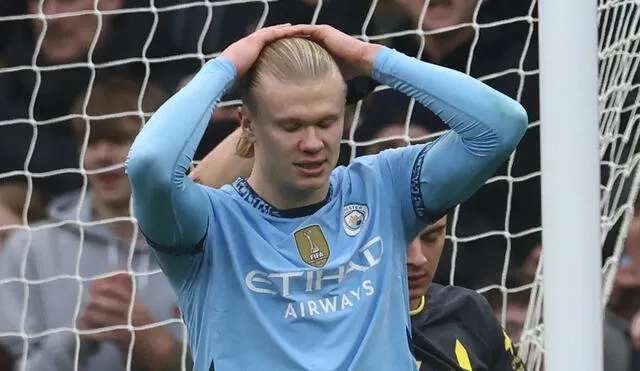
x=486, y=128
x=171, y=209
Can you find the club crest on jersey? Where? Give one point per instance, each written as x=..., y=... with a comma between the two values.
x=353, y=217
x=312, y=245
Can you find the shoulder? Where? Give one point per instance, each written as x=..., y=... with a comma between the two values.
x=457, y=297
x=228, y=194
x=460, y=305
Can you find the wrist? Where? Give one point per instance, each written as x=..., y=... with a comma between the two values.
x=369, y=53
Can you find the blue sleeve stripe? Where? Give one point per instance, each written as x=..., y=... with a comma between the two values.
x=416, y=190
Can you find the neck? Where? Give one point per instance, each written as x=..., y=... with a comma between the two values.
x=122, y=229
x=282, y=197
x=439, y=46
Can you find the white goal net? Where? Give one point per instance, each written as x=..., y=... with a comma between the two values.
x=51, y=55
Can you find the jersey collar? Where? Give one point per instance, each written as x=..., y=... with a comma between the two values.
x=245, y=191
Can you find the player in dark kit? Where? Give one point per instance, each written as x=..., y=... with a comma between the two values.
x=458, y=331
x=453, y=328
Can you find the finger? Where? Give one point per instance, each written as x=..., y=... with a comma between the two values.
x=116, y=290
x=111, y=302
x=312, y=30
x=82, y=323
x=283, y=32
x=123, y=279
x=98, y=319
x=269, y=29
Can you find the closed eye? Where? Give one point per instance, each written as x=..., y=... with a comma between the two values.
x=325, y=124
x=290, y=126
x=429, y=237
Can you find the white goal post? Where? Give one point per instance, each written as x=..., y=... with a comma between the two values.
x=570, y=157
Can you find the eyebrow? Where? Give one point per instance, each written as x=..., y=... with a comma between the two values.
x=284, y=120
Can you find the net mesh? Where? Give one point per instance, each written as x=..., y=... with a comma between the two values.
x=203, y=28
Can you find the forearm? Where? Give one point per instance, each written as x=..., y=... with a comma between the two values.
x=486, y=127
x=168, y=205
x=473, y=110
x=222, y=165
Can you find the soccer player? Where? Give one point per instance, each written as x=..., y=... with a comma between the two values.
x=300, y=266
x=453, y=328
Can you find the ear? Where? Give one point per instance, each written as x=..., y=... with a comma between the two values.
x=246, y=123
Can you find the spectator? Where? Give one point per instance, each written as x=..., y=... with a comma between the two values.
x=624, y=303
x=616, y=333
x=74, y=257
x=37, y=98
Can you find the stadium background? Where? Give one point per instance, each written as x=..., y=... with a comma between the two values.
x=493, y=239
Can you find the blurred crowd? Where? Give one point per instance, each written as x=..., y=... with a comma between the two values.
x=64, y=198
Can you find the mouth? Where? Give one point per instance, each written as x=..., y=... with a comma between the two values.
x=311, y=168
x=419, y=280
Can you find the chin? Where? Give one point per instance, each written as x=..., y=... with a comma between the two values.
x=312, y=184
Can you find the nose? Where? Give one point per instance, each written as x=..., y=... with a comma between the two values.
x=101, y=152
x=311, y=142
x=415, y=257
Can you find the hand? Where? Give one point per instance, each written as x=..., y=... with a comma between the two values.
x=244, y=52
x=355, y=57
x=109, y=303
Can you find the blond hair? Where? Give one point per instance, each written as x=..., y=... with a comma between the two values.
x=292, y=59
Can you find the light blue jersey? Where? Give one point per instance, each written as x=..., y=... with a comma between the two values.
x=322, y=287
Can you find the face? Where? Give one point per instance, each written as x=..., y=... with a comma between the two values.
x=416, y=134
x=423, y=256
x=440, y=13
x=108, y=147
x=68, y=38
x=296, y=131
